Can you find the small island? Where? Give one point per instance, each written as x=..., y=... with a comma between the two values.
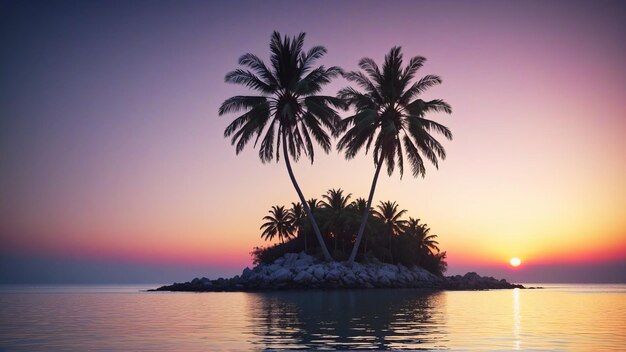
x=397, y=253
x=299, y=271
x=338, y=242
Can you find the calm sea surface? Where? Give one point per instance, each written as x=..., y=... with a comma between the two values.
x=124, y=318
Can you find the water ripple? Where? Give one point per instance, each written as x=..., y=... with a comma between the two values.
x=563, y=317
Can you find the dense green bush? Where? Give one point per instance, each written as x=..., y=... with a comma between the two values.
x=388, y=237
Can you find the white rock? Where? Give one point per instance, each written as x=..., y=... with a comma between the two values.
x=356, y=267
x=272, y=268
x=303, y=262
x=319, y=273
x=385, y=273
x=303, y=277
x=303, y=255
x=384, y=281
x=363, y=275
x=290, y=259
x=390, y=268
x=349, y=278
x=247, y=272
x=281, y=275
x=335, y=266
x=371, y=271
x=423, y=275
x=333, y=275
x=404, y=271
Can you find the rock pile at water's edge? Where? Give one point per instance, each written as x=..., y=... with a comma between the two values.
x=301, y=271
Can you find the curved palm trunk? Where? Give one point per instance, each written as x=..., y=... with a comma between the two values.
x=318, y=234
x=366, y=213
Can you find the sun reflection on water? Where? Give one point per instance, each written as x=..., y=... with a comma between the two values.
x=516, y=319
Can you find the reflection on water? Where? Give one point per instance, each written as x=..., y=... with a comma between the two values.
x=372, y=319
x=516, y=319
x=115, y=318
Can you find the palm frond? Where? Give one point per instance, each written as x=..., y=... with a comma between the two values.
x=425, y=145
x=240, y=102
x=248, y=79
x=400, y=158
x=364, y=82
x=430, y=125
x=411, y=68
x=254, y=118
x=417, y=164
x=420, y=107
x=419, y=87
x=266, y=150
x=371, y=68
x=308, y=146
x=313, y=125
x=307, y=60
x=255, y=63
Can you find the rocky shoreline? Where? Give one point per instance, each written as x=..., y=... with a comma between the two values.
x=301, y=271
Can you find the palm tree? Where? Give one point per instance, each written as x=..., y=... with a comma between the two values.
x=389, y=214
x=296, y=214
x=278, y=223
x=359, y=206
x=314, y=204
x=335, y=205
x=389, y=115
x=420, y=232
x=288, y=109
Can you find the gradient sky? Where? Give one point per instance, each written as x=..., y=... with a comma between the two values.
x=114, y=168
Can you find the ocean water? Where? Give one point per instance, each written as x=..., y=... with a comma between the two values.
x=126, y=318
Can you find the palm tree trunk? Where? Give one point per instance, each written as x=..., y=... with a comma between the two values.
x=318, y=234
x=366, y=212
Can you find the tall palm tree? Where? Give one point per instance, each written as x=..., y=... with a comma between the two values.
x=296, y=214
x=391, y=217
x=279, y=224
x=289, y=109
x=389, y=115
x=426, y=242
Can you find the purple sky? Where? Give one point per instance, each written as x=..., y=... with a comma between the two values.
x=112, y=153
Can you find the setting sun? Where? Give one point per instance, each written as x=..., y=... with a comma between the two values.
x=515, y=262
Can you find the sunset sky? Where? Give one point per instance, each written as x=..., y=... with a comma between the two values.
x=114, y=167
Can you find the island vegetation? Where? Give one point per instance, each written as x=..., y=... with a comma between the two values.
x=388, y=236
